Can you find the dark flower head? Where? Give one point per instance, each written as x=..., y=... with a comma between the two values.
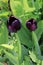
x=31, y=24
x=13, y=24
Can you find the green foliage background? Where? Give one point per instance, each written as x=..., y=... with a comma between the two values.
x=16, y=53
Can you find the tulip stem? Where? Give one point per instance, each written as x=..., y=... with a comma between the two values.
x=19, y=49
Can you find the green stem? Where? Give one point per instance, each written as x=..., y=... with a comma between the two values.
x=19, y=50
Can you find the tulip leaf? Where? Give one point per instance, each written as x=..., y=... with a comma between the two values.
x=17, y=8
x=25, y=37
x=3, y=34
x=39, y=30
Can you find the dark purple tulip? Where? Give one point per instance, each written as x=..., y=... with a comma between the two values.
x=13, y=24
x=31, y=24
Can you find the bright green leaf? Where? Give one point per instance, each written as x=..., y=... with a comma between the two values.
x=33, y=57
x=17, y=8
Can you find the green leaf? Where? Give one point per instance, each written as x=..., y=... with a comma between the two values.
x=3, y=34
x=24, y=51
x=35, y=41
x=25, y=37
x=33, y=56
x=7, y=46
x=39, y=30
x=39, y=62
x=17, y=8
x=3, y=3
x=4, y=13
x=38, y=4
x=11, y=57
x=26, y=6
x=27, y=61
x=20, y=7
